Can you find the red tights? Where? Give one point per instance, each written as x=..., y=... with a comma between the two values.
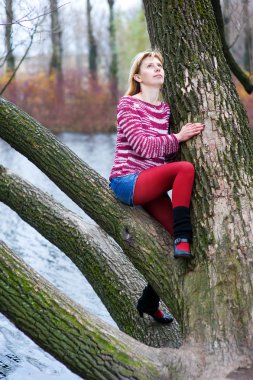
x=151, y=190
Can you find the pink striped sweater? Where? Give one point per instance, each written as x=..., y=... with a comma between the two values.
x=142, y=136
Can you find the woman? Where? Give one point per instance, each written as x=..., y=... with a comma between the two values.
x=141, y=174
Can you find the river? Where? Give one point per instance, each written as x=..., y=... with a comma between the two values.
x=20, y=357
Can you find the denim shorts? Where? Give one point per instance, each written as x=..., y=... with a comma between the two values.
x=123, y=188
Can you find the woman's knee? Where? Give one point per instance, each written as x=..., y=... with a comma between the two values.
x=187, y=167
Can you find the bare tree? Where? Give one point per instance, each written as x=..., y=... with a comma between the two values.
x=36, y=20
x=114, y=58
x=10, y=59
x=92, y=45
x=13, y=73
x=56, y=33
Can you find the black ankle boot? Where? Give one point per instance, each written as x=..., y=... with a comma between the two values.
x=182, y=231
x=148, y=303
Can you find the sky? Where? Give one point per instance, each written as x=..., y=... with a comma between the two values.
x=126, y=4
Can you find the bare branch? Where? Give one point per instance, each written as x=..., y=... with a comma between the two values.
x=3, y=59
x=20, y=62
x=34, y=18
x=34, y=31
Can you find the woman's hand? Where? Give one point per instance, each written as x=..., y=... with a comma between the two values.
x=189, y=130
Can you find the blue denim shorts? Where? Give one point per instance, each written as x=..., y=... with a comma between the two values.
x=123, y=188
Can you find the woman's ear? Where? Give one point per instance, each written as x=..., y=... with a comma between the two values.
x=137, y=78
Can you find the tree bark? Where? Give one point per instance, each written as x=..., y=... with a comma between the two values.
x=10, y=61
x=110, y=273
x=142, y=239
x=218, y=300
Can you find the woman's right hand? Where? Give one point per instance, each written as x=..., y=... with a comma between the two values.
x=189, y=130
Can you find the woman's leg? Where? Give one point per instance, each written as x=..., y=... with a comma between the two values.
x=152, y=183
x=161, y=210
x=150, y=192
x=149, y=303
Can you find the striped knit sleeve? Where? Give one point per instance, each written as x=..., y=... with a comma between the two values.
x=140, y=141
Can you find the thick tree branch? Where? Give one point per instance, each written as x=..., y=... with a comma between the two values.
x=107, y=269
x=234, y=67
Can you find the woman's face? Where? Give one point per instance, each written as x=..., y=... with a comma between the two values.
x=151, y=72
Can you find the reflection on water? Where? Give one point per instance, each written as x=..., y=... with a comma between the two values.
x=20, y=358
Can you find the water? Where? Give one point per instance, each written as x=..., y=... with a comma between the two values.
x=20, y=358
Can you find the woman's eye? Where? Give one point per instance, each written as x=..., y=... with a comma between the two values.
x=152, y=65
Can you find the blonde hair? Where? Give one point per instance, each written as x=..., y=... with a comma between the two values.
x=134, y=86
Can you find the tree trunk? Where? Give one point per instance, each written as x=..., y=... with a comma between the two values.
x=247, y=36
x=114, y=58
x=112, y=276
x=55, y=67
x=10, y=61
x=92, y=45
x=56, y=58
x=217, y=292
